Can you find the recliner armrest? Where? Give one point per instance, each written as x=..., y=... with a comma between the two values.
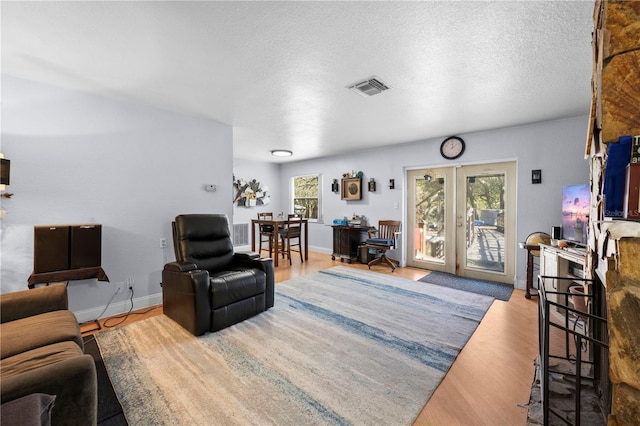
x=247, y=255
x=265, y=264
x=185, y=296
x=180, y=266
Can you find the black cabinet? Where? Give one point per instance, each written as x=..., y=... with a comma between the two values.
x=346, y=240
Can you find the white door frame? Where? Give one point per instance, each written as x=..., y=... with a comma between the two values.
x=405, y=207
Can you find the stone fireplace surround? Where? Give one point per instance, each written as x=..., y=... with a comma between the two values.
x=614, y=246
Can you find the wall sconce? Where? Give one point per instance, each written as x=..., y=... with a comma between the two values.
x=335, y=186
x=536, y=176
x=5, y=170
x=372, y=185
x=392, y=183
x=428, y=177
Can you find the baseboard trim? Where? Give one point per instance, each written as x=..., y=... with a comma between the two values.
x=311, y=248
x=120, y=307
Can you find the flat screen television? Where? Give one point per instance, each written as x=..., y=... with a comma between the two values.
x=575, y=213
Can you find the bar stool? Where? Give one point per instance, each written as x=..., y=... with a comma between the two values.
x=532, y=244
x=291, y=235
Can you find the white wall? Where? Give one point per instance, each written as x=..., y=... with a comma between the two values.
x=556, y=147
x=77, y=158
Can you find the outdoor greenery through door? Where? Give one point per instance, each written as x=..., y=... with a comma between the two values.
x=463, y=220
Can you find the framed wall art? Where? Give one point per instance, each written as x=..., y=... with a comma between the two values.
x=352, y=188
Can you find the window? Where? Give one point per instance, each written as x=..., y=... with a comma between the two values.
x=306, y=196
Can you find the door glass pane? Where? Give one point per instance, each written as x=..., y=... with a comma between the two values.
x=484, y=222
x=429, y=243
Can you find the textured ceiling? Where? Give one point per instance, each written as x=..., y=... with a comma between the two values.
x=277, y=71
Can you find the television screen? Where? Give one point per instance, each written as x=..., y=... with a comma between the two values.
x=575, y=212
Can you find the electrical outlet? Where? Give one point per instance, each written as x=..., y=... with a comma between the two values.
x=163, y=243
x=130, y=283
x=119, y=287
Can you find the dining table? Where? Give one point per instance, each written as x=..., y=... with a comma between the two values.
x=277, y=223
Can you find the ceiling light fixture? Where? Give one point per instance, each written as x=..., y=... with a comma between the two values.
x=281, y=153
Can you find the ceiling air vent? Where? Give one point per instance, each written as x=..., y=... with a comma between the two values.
x=369, y=87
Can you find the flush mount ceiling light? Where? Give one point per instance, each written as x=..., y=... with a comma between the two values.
x=369, y=87
x=281, y=153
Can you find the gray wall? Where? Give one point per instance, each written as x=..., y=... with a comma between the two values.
x=556, y=147
x=77, y=158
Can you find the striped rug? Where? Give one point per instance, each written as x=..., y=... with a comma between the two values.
x=340, y=346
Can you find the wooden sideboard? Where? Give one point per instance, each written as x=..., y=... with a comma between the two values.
x=346, y=240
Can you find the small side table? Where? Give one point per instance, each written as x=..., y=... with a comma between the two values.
x=532, y=251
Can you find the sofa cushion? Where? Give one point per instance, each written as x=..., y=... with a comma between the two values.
x=39, y=330
x=231, y=286
x=380, y=241
x=38, y=357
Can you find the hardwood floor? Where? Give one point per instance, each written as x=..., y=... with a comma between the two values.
x=492, y=374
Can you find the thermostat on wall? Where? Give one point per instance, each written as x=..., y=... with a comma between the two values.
x=210, y=188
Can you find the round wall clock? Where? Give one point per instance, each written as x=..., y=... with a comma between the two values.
x=452, y=147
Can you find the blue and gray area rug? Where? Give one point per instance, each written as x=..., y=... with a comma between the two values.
x=340, y=346
x=496, y=290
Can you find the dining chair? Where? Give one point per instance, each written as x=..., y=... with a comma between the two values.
x=291, y=234
x=266, y=233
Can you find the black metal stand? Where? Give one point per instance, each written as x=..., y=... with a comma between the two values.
x=555, y=317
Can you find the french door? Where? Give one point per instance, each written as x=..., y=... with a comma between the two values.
x=463, y=220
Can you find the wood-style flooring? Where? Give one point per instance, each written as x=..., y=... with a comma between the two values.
x=487, y=383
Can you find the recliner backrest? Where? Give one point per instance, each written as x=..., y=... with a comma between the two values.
x=203, y=239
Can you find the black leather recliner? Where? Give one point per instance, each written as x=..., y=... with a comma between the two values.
x=209, y=287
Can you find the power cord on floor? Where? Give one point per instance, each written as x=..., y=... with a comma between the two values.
x=97, y=320
x=123, y=317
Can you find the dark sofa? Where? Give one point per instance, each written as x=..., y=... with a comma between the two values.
x=42, y=353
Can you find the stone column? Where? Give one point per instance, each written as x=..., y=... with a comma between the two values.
x=615, y=112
